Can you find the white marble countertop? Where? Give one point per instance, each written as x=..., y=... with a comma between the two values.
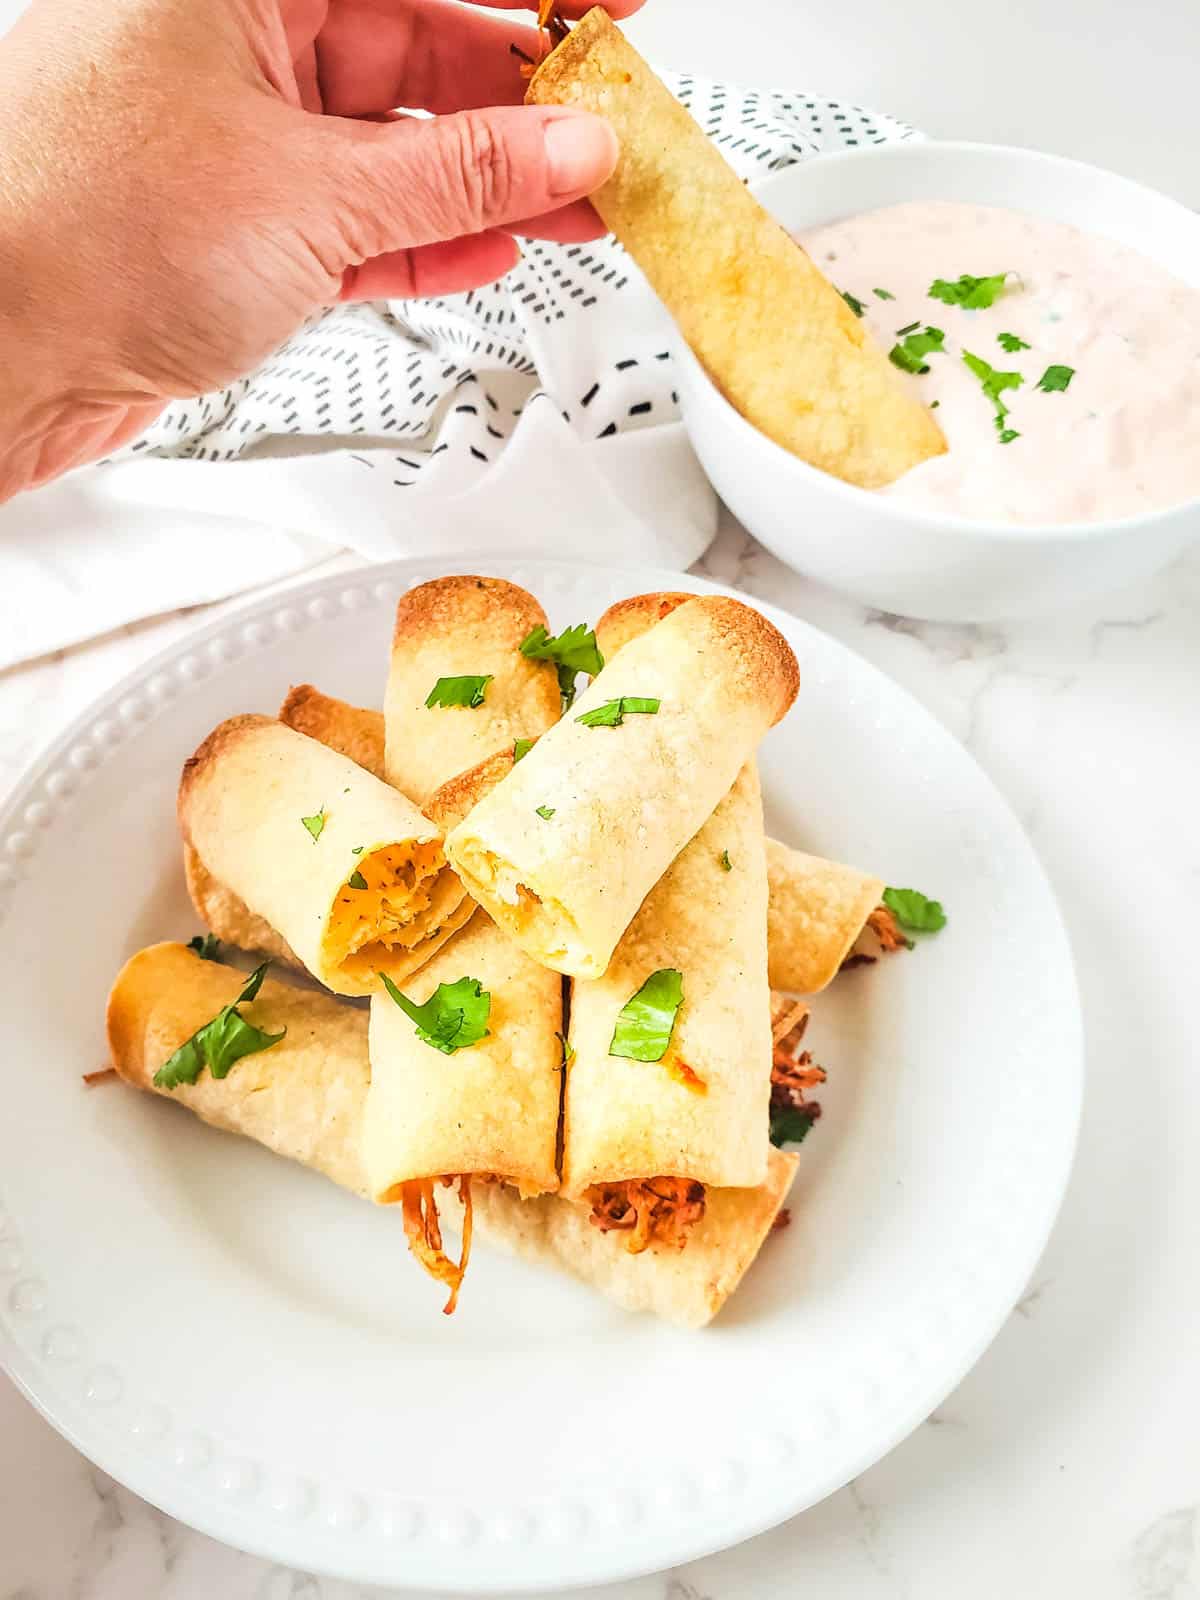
x=1066, y=1463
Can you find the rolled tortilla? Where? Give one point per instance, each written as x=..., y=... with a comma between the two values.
x=815, y=913
x=361, y=888
x=624, y=799
x=462, y=627
x=491, y=1108
x=305, y=1099
x=816, y=909
x=773, y=333
x=701, y=1111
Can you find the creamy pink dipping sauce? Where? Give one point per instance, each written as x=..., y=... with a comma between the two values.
x=1122, y=439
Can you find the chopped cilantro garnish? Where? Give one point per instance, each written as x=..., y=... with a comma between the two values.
x=726, y=864
x=994, y=384
x=909, y=327
x=884, y=294
x=545, y=812
x=613, y=712
x=207, y=946
x=219, y=1044
x=466, y=691
x=910, y=354
x=315, y=824
x=521, y=748
x=790, y=1124
x=572, y=651
x=356, y=880
x=1009, y=343
x=454, y=1016
x=855, y=304
x=646, y=1021
x=1056, y=380
x=568, y=1049
x=973, y=294
x=914, y=910
x=358, y=850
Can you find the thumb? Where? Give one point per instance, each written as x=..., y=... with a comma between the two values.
x=416, y=182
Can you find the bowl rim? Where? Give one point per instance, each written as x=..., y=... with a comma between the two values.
x=898, y=513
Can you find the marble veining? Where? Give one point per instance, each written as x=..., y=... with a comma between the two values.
x=1065, y=1464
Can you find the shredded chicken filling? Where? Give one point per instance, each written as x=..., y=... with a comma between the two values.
x=403, y=883
x=423, y=1230
x=652, y=1211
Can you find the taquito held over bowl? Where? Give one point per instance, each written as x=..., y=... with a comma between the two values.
x=565, y=849
x=345, y=869
x=773, y=334
x=459, y=687
x=816, y=909
x=304, y=1097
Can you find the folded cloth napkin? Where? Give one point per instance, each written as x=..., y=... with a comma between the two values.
x=536, y=415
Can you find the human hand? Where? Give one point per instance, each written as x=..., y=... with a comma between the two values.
x=183, y=183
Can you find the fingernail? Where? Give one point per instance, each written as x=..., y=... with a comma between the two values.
x=581, y=151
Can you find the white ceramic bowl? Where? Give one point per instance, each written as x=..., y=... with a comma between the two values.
x=921, y=564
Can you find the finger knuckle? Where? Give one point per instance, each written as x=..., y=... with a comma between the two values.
x=484, y=170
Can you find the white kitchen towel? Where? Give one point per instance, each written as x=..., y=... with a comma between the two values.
x=538, y=414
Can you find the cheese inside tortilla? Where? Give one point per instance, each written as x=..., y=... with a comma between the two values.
x=816, y=909
x=624, y=800
x=774, y=334
x=361, y=888
x=305, y=1099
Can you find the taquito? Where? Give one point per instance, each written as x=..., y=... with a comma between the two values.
x=341, y=866
x=465, y=632
x=305, y=1099
x=816, y=909
x=567, y=846
x=773, y=333
x=699, y=1110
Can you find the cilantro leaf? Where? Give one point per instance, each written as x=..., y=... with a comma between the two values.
x=454, y=1017
x=358, y=850
x=545, y=812
x=914, y=910
x=315, y=824
x=572, y=651
x=791, y=1124
x=1056, y=380
x=521, y=748
x=613, y=712
x=1009, y=343
x=994, y=384
x=910, y=354
x=467, y=691
x=855, y=305
x=646, y=1021
x=356, y=880
x=973, y=294
x=207, y=946
x=726, y=864
x=219, y=1044
x=909, y=327
x=567, y=1047
x=884, y=294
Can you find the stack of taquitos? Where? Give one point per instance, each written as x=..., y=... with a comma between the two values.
x=493, y=1109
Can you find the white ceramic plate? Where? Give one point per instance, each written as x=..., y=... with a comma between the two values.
x=253, y=1351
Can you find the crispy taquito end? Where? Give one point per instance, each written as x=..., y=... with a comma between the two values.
x=305, y=1098
x=816, y=911
x=453, y=628
x=353, y=731
x=699, y=1112
x=565, y=849
x=772, y=332
x=686, y=1287
x=491, y=1107
x=345, y=869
